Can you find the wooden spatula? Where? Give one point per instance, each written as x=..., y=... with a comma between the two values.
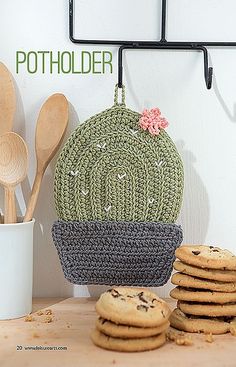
x=51, y=127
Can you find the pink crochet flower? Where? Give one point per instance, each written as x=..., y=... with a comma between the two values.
x=152, y=121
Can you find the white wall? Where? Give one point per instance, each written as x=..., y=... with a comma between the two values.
x=202, y=123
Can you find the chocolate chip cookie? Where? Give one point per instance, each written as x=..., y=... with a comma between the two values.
x=209, y=257
x=128, y=332
x=132, y=306
x=213, y=310
x=213, y=274
x=127, y=345
x=195, y=324
x=188, y=281
x=200, y=295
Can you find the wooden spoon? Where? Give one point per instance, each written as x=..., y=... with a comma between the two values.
x=7, y=103
x=51, y=127
x=13, y=170
x=7, y=100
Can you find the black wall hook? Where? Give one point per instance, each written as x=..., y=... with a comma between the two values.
x=208, y=71
x=161, y=44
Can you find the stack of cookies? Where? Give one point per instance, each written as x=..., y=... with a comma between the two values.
x=130, y=320
x=206, y=289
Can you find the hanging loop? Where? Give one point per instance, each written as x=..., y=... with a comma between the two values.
x=116, y=96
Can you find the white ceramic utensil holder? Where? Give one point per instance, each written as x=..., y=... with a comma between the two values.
x=16, y=269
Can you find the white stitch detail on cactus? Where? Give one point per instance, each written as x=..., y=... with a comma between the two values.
x=101, y=146
x=159, y=164
x=133, y=132
x=151, y=201
x=121, y=176
x=85, y=193
x=74, y=173
x=108, y=208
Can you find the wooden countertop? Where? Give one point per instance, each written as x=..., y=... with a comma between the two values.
x=73, y=320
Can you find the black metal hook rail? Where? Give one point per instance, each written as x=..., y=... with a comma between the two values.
x=158, y=45
x=208, y=71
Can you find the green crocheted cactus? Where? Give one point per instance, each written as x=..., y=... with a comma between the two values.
x=111, y=169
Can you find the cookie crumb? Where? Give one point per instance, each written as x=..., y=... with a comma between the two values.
x=171, y=336
x=232, y=329
x=183, y=340
x=40, y=313
x=47, y=320
x=179, y=338
x=29, y=318
x=48, y=312
x=209, y=338
x=35, y=335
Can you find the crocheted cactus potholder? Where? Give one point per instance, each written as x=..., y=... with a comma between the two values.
x=111, y=169
x=118, y=192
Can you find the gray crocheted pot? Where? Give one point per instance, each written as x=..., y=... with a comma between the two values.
x=117, y=253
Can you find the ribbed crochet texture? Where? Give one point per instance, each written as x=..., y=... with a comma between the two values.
x=118, y=191
x=117, y=253
x=110, y=169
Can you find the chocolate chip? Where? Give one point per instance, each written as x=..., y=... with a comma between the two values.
x=115, y=293
x=211, y=247
x=142, y=308
x=154, y=299
x=140, y=296
x=152, y=306
x=215, y=250
x=130, y=296
x=227, y=318
x=196, y=252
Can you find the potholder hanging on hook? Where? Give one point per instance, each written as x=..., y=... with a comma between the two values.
x=118, y=192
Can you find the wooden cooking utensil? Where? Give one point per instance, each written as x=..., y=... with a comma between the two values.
x=13, y=170
x=7, y=103
x=51, y=127
x=7, y=100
